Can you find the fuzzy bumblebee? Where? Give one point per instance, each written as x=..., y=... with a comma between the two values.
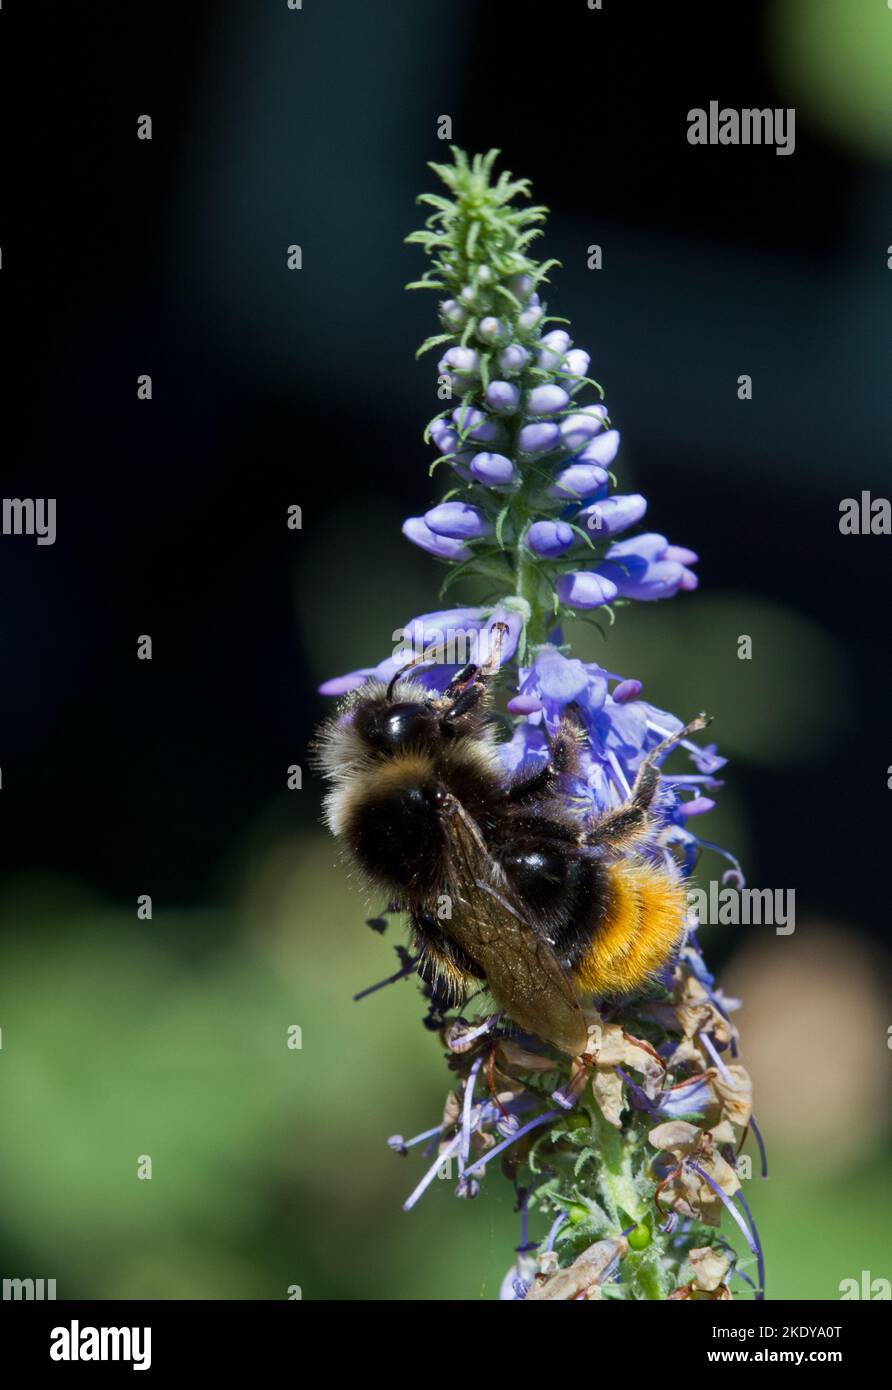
x=502, y=884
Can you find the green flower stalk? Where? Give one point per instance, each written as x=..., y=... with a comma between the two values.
x=624, y=1155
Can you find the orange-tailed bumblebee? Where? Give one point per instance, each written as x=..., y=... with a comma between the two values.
x=503, y=885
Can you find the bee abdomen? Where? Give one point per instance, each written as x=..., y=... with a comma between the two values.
x=640, y=923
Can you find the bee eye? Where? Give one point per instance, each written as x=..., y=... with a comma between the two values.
x=399, y=725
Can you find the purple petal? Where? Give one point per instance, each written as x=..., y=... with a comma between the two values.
x=613, y=515
x=419, y=533
x=586, y=589
x=540, y=438
x=550, y=538
x=495, y=470
x=458, y=521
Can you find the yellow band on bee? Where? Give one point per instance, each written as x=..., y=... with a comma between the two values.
x=642, y=925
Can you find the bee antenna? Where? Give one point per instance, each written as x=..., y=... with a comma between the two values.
x=423, y=660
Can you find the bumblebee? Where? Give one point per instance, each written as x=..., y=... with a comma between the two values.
x=503, y=885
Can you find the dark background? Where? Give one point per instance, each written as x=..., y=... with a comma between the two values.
x=272, y=387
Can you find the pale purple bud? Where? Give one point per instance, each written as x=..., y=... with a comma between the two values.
x=495, y=470
x=521, y=286
x=540, y=438
x=502, y=397
x=463, y=360
x=524, y=704
x=419, y=533
x=550, y=538
x=529, y=318
x=603, y=450
x=545, y=400
x=580, y=480
x=513, y=358
x=552, y=349
x=490, y=329
x=458, y=521
x=585, y=589
x=453, y=314
x=475, y=424
x=627, y=690
x=613, y=515
x=577, y=429
x=467, y=295
x=576, y=363
x=444, y=436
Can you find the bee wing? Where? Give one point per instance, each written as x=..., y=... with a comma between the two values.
x=522, y=970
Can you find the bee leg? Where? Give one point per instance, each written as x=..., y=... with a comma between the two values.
x=563, y=760
x=467, y=688
x=647, y=778
x=620, y=829
x=460, y=680
x=463, y=703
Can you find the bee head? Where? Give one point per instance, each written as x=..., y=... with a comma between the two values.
x=395, y=727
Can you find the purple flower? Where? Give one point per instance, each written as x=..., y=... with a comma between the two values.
x=462, y=360
x=513, y=358
x=552, y=349
x=580, y=481
x=528, y=744
x=452, y=637
x=444, y=436
x=502, y=397
x=576, y=364
x=627, y=690
x=555, y=681
x=494, y=470
x=416, y=529
x=475, y=424
x=453, y=314
x=529, y=318
x=490, y=329
x=550, y=538
x=545, y=400
x=613, y=515
x=540, y=438
x=586, y=589
x=582, y=426
x=341, y=685
x=465, y=634
x=458, y=521
x=601, y=451
x=639, y=568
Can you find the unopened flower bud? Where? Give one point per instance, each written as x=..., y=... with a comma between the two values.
x=458, y=521
x=540, y=438
x=502, y=397
x=550, y=538
x=494, y=470
x=546, y=400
